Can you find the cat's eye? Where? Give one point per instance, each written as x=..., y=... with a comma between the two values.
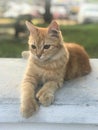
x=46, y=46
x=33, y=46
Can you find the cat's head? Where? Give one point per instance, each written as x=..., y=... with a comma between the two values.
x=45, y=43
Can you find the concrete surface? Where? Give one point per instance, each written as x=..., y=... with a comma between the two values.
x=75, y=103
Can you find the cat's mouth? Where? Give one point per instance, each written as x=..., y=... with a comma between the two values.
x=38, y=58
x=42, y=58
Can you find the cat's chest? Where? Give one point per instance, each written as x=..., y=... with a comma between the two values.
x=50, y=74
x=55, y=71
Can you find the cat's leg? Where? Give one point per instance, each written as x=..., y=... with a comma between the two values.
x=28, y=102
x=46, y=93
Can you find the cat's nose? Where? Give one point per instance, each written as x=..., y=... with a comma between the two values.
x=38, y=55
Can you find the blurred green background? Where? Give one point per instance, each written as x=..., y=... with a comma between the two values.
x=86, y=35
x=14, y=35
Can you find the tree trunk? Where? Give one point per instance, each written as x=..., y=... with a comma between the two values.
x=47, y=15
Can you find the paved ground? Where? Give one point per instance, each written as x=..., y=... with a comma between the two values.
x=76, y=102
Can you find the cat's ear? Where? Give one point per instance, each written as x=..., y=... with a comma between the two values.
x=31, y=27
x=53, y=29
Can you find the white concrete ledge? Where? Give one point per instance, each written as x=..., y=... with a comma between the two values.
x=75, y=103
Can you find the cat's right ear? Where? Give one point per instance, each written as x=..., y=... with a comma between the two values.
x=31, y=27
x=53, y=29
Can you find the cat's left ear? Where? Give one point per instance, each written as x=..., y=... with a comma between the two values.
x=31, y=27
x=53, y=29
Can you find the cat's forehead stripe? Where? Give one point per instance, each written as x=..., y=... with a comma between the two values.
x=39, y=39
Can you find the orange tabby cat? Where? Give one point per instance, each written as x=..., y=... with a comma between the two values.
x=50, y=63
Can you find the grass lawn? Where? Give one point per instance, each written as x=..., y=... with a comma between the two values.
x=86, y=35
x=11, y=47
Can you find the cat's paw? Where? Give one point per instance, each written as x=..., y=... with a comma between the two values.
x=29, y=108
x=46, y=98
x=25, y=54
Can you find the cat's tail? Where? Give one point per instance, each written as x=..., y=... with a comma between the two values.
x=25, y=54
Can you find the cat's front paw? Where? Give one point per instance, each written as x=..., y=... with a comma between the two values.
x=45, y=98
x=29, y=108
